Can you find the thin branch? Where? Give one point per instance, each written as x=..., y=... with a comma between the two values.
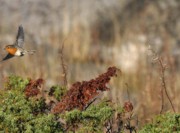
x=159, y=60
x=128, y=125
x=163, y=68
x=90, y=103
x=64, y=74
x=108, y=126
x=127, y=87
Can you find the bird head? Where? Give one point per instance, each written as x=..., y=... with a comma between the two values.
x=7, y=47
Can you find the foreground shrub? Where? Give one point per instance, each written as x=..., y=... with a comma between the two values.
x=166, y=123
x=21, y=114
x=91, y=120
x=27, y=107
x=57, y=92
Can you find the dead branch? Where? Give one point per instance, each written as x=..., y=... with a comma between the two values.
x=127, y=87
x=163, y=67
x=64, y=70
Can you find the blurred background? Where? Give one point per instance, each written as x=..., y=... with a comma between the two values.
x=98, y=34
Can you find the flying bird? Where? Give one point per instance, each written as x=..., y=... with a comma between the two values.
x=17, y=48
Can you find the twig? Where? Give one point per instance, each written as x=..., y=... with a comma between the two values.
x=163, y=83
x=163, y=68
x=90, y=103
x=120, y=122
x=64, y=74
x=128, y=125
x=127, y=87
x=108, y=126
x=157, y=58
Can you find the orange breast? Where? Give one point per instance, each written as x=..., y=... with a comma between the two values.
x=11, y=50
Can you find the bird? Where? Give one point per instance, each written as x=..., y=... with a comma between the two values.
x=17, y=49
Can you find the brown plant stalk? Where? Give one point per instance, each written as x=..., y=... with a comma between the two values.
x=163, y=83
x=163, y=67
x=64, y=72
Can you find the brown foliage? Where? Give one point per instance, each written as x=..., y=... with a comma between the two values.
x=128, y=106
x=32, y=88
x=81, y=93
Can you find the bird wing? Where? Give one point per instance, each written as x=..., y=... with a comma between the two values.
x=8, y=56
x=20, y=37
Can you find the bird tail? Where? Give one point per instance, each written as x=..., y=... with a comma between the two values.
x=30, y=51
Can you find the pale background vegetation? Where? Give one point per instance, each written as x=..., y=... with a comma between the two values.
x=98, y=34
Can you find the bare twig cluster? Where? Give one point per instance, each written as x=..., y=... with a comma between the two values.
x=163, y=68
x=125, y=120
x=109, y=126
x=122, y=121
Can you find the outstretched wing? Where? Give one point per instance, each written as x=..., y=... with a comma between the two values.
x=20, y=37
x=8, y=56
